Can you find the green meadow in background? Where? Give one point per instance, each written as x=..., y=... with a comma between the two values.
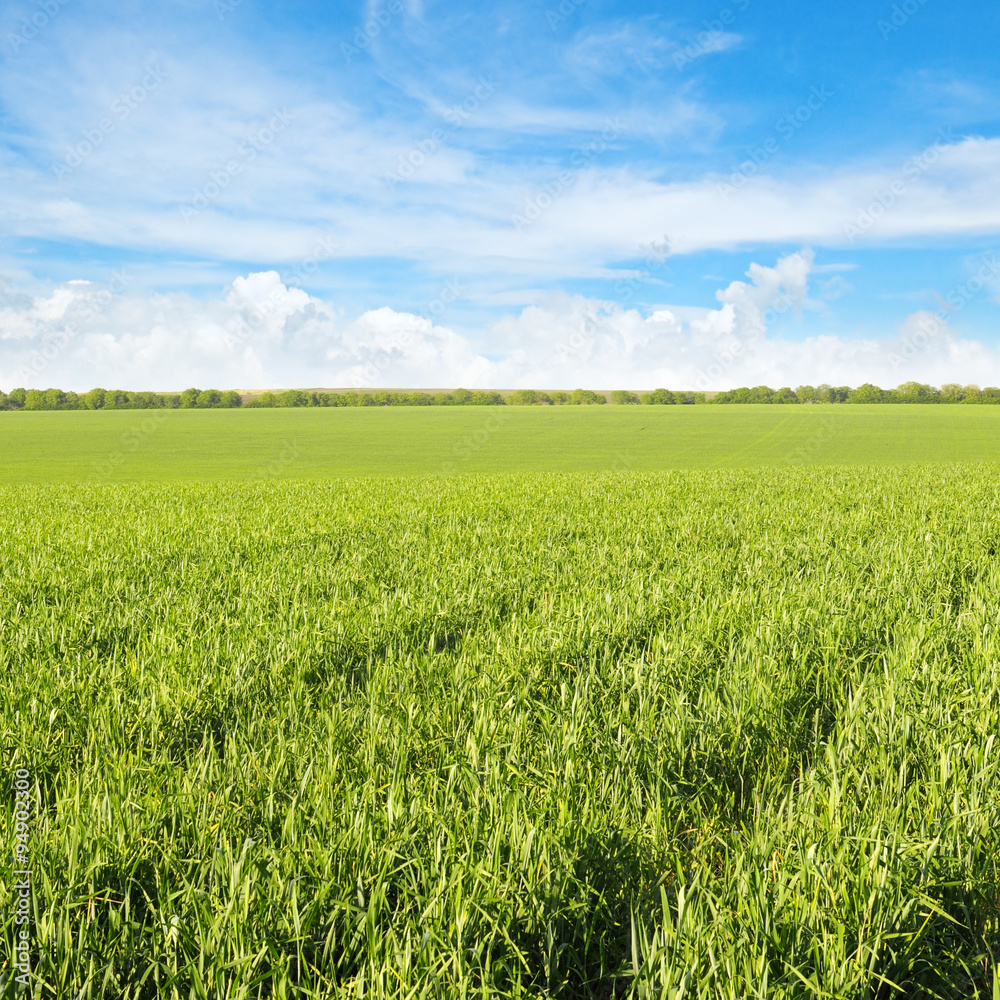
x=151, y=445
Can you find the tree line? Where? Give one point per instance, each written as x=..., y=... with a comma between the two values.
x=120, y=399
x=908, y=392
x=117, y=399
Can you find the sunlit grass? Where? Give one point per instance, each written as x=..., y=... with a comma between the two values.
x=711, y=735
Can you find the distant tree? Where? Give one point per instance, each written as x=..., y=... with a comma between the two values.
x=3, y=400
x=659, y=397
x=972, y=394
x=266, y=400
x=523, y=397
x=230, y=399
x=93, y=400
x=586, y=397
x=761, y=394
x=461, y=396
x=867, y=393
x=692, y=397
x=146, y=400
x=294, y=398
x=950, y=392
x=117, y=399
x=189, y=398
x=55, y=399
x=559, y=398
x=207, y=399
x=35, y=400
x=622, y=397
x=806, y=394
x=17, y=398
x=486, y=398
x=991, y=394
x=914, y=392
x=785, y=395
x=72, y=402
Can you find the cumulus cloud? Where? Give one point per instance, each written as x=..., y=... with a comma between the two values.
x=262, y=333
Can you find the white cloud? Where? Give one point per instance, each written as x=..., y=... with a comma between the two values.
x=261, y=334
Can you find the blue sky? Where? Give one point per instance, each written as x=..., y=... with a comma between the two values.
x=412, y=192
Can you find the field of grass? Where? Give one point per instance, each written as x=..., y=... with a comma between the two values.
x=713, y=734
x=144, y=445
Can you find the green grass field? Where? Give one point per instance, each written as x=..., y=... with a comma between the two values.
x=149, y=445
x=712, y=734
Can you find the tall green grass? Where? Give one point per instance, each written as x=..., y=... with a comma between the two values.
x=703, y=735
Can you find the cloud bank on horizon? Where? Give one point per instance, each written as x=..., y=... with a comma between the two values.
x=576, y=192
x=263, y=333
